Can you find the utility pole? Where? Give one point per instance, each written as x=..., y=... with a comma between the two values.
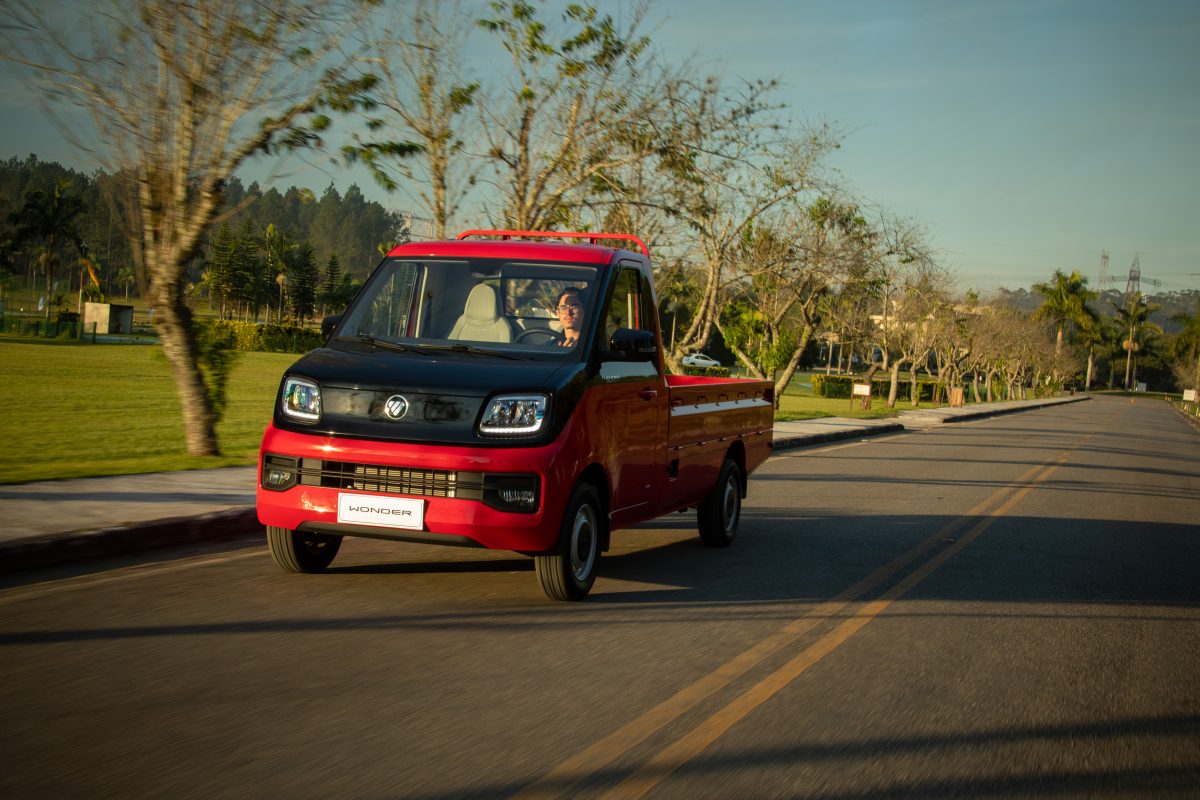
x=1105, y=282
x=1134, y=283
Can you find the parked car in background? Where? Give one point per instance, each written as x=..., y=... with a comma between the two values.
x=699, y=360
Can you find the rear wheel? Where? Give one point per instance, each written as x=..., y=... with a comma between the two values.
x=718, y=516
x=300, y=551
x=569, y=572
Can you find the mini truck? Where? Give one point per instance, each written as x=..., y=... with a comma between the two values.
x=506, y=391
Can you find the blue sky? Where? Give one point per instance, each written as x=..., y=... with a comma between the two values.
x=1026, y=135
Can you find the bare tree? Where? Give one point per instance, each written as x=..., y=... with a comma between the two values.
x=728, y=163
x=422, y=137
x=576, y=109
x=180, y=96
x=780, y=274
x=907, y=282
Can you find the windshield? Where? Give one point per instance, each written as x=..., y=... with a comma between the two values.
x=474, y=305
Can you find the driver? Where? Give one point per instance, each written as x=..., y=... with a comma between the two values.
x=570, y=314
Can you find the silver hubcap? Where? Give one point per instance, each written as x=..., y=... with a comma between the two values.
x=583, y=543
x=730, y=504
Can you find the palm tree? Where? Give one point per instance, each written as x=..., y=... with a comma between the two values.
x=1065, y=303
x=126, y=276
x=1186, y=344
x=48, y=219
x=1134, y=320
x=1098, y=333
x=278, y=250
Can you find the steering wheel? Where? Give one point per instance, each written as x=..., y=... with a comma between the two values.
x=551, y=337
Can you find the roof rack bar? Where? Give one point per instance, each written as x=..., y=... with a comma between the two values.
x=593, y=238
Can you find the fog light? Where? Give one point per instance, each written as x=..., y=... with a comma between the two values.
x=278, y=478
x=279, y=472
x=517, y=492
x=523, y=498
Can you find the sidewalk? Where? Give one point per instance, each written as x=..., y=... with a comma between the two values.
x=53, y=522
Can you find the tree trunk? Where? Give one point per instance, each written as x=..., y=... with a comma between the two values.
x=1087, y=384
x=894, y=387
x=790, y=370
x=179, y=346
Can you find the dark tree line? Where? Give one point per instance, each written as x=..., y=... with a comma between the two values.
x=321, y=248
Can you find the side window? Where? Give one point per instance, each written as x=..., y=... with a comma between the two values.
x=624, y=309
x=391, y=310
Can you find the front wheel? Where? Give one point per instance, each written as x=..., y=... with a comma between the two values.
x=718, y=516
x=299, y=551
x=569, y=572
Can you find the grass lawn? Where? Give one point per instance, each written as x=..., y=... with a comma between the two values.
x=74, y=410
x=799, y=402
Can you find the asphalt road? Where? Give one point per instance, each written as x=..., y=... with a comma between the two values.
x=1003, y=608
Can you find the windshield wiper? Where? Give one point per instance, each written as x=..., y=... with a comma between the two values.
x=386, y=344
x=476, y=351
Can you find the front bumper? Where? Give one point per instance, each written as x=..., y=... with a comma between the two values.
x=449, y=481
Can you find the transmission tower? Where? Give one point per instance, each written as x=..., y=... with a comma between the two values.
x=1105, y=282
x=1134, y=284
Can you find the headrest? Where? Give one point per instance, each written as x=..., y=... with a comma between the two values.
x=481, y=303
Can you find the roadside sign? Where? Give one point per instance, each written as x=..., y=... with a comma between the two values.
x=862, y=390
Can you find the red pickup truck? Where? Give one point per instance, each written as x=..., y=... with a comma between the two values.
x=504, y=391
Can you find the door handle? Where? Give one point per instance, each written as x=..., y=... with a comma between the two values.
x=648, y=394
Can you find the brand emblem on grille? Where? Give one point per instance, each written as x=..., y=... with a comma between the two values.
x=395, y=407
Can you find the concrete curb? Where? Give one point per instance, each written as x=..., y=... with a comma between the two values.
x=804, y=440
x=997, y=412
x=59, y=548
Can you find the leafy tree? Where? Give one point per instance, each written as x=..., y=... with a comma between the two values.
x=218, y=277
x=303, y=277
x=125, y=277
x=331, y=278
x=574, y=109
x=180, y=96
x=1133, y=316
x=421, y=137
x=249, y=285
x=725, y=168
x=278, y=255
x=1065, y=299
x=1185, y=346
x=48, y=219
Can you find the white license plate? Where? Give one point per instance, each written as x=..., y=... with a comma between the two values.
x=386, y=512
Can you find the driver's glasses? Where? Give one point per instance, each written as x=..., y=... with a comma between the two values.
x=569, y=309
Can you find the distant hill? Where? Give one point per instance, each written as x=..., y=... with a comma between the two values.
x=1175, y=302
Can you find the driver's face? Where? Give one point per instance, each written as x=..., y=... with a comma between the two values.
x=570, y=312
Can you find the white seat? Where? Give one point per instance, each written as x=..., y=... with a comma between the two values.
x=481, y=320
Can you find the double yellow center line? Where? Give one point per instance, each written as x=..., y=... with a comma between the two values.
x=603, y=753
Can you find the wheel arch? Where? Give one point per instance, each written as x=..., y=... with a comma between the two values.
x=597, y=476
x=737, y=454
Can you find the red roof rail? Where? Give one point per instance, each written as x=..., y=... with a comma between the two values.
x=593, y=238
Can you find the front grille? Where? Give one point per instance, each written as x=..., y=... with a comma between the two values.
x=391, y=480
x=500, y=490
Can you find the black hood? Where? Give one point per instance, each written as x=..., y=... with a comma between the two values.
x=444, y=393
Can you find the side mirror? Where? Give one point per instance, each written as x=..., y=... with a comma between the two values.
x=328, y=324
x=633, y=345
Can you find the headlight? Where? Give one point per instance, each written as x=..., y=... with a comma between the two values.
x=301, y=400
x=514, y=415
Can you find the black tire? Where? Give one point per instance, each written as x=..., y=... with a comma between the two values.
x=721, y=512
x=569, y=572
x=297, y=551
